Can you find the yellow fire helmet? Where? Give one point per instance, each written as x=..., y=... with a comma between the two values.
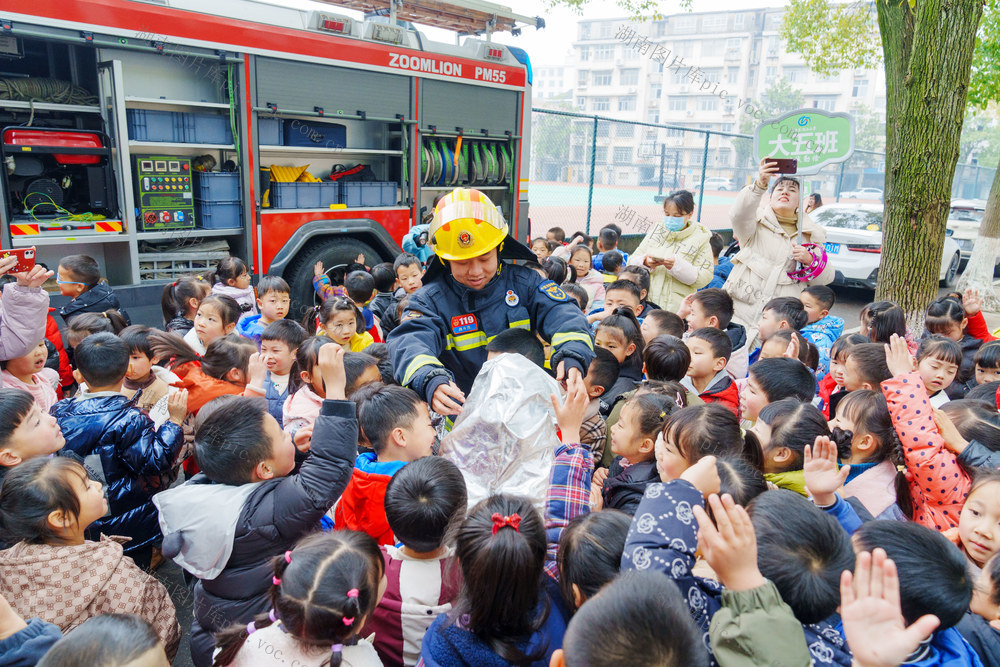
x=466, y=224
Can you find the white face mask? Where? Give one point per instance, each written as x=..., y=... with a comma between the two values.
x=673, y=224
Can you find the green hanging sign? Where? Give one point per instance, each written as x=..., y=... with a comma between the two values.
x=814, y=137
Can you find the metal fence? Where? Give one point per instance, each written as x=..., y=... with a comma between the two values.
x=588, y=171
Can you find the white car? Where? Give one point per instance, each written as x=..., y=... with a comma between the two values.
x=715, y=183
x=862, y=193
x=854, y=245
x=963, y=220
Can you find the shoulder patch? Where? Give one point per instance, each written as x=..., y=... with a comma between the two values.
x=551, y=290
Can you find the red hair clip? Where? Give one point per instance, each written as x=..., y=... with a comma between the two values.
x=501, y=521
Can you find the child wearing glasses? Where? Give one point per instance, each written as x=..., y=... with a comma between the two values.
x=79, y=277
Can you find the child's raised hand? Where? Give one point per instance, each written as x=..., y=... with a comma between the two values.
x=704, y=476
x=971, y=302
x=792, y=350
x=257, y=369
x=600, y=475
x=177, y=405
x=303, y=438
x=685, y=308
x=569, y=414
x=729, y=545
x=819, y=466
x=872, y=617
x=953, y=440
x=34, y=277
x=318, y=269
x=331, y=367
x=897, y=356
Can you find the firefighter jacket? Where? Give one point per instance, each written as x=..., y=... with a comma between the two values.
x=443, y=333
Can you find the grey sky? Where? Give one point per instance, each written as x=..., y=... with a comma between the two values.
x=547, y=47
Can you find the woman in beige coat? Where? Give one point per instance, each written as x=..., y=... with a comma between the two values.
x=769, y=247
x=677, y=253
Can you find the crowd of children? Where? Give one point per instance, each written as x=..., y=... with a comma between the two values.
x=819, y=498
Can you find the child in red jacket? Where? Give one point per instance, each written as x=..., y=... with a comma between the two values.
x=710, y=351
x=396, y=424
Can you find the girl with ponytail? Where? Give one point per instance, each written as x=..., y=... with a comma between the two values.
x=322, y=593
x=180, y=302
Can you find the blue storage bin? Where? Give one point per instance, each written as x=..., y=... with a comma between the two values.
x=206, y=128
x=214, y=186
x=148, y=125
x=269, y=131
x=304, y=195
x=218, y=214
x=375, y=193
x=315, y=135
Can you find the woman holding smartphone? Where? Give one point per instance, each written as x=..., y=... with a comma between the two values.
x=677, y=253
x=773, y=259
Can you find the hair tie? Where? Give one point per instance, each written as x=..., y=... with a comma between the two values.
x=105, y=316
x=173, y=284
x=353, y=593
x=271, y=615
x=251, y=628
x=501, y=521
x=275, y=581
x=349, y=621
x=288, y=557
x=662, y=415
x=337, y=648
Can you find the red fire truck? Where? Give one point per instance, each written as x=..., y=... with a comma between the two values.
x=159, y=135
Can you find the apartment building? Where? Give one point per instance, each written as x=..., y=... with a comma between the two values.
x=716, y=64
x=552, y=82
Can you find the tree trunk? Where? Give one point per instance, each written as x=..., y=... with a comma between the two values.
x=979, y=272
x=928, y=55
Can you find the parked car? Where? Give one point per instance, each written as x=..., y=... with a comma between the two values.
x=854, y=245
x=714, y=183
x=862, y=193
x=963, y=220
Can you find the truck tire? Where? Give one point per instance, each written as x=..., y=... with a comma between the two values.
x=334, y=253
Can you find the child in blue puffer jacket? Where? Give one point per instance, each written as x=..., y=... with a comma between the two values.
x=119, y=444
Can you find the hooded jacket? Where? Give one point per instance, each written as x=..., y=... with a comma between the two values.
x=823, y=333
x=119, y=444
x=26, y=647
x=227, y=535
x=721, y=389
x=721, y=273
x=66, y=585
x=22, y=319
x=247, y=298
x=362, y=506
x=760, y=268
x=445, y=329
x=62, y=366
x=693, y=266
x=982, y=637
x=202, y=388
x=970, y=345
x=97, y=299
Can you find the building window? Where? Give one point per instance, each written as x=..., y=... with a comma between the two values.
x=606, y=29
x=713, y=74
x=678, y=104
x=684, y=25
x=738, y=22
x=604, y=52
x=722, y=157
x=601, y=155
x=773, y=45
x=602, y=78
x=795, y=74
x=828, y=78
x=653, y=116
x=679, y=77
x=603, y=129
x=714, y=23
x=581, y=79
x=727, y=127
x=622, y=155
x=624, y=130
x=733, y=75
x=654, y=93
x=630, y=77
x=577, y=154
x=584, y=53
x=581, y=103
x=826, y=102
x=684, y=49
x=601, y=104
x=661, y=28
x=709, y=103
x=626, y=103
x=770, y=74
x=675, y=134
x=860, y=88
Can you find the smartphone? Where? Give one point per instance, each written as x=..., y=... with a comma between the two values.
x=25, y=258
x=786, y=165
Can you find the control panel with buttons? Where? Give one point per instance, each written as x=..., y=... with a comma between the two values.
x=164, y=192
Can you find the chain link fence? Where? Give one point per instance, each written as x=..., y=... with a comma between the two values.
x=588, y=171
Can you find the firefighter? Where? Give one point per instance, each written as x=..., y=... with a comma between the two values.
x=469, y=296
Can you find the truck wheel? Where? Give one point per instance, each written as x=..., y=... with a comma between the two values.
x=335, y=253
